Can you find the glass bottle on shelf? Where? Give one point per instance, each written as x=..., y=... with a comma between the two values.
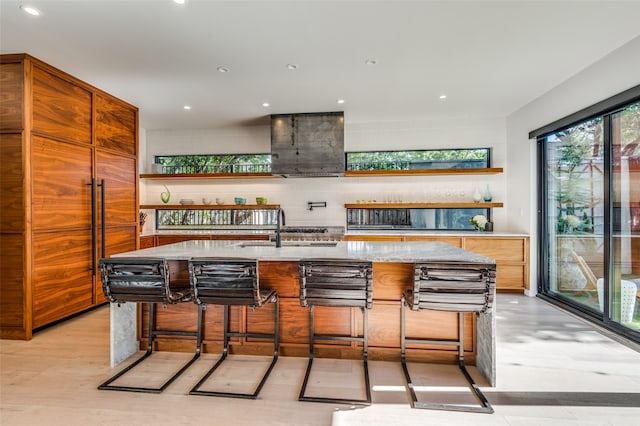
x=487, y=195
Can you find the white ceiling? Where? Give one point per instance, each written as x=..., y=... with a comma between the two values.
x=489, y=58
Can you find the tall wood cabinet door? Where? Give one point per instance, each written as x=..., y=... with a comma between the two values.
x=120, y=210
x=120, y=188
x=61, y=185
x=62, y=237
x=12, y=178
x=61, y=109
x=62, y=275
x=116, y=126
x=12, y=100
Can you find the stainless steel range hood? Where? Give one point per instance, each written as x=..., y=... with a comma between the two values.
x=308, y=145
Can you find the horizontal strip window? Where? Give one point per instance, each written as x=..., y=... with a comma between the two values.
x=440, y=159
x=212, y=163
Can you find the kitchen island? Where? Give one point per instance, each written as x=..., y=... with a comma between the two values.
x=393, y=272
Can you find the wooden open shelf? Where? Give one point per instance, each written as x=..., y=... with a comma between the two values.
x=423, y=205
x=160, y=176
x=423, y=172
x=348, y=173
x=210, y=206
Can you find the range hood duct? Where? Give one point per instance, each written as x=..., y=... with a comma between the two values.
x=308, y=145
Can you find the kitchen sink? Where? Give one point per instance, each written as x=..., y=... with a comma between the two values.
x=290, y=244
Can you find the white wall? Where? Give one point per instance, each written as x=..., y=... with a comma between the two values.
x=616, y=72
x=293, y=194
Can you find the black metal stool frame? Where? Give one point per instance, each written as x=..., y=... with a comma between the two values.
x=367, y=271
x=163, y=274
x=485, y=406
x=227, y=334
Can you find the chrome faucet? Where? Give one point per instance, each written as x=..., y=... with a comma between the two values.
x=280, y=221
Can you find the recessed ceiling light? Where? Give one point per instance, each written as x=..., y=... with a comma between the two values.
x=265, y=104
x=340, y=101
x=223, y=69
x=187, y=107
x=443, y=96
x=180, y=1
x=30, y=10
x=370, y=62
x=292, y=66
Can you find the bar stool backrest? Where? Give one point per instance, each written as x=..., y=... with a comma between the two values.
x=136, y=280
x=452, y=287
x=336, y=283
x=220, y=281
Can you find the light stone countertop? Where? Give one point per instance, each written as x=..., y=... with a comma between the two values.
x=368, y=232
x=414, y=233
x=402, y=252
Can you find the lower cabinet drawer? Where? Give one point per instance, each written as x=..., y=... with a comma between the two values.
x=511, y=277
x=509, y=249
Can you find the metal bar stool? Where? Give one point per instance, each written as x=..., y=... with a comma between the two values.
x=147, y=281
x=449, y=287
x=220, y=281
x=336, y=283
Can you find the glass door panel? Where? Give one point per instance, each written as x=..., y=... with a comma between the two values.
x=574, y=174
x=625, y=198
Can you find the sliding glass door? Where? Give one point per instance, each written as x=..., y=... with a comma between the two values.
x=590, y=215
x=625, y=248
x=575, y=213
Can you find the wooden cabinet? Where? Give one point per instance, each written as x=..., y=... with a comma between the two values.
x=512, y=259
x=510, y=253
x=59, y=138
x=61, y=229
x=161, y=240
x=147, y=241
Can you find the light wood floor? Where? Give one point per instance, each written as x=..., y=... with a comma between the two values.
x=552, y=370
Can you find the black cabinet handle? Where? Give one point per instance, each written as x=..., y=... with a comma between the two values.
x=93, y=225
x=103, y=252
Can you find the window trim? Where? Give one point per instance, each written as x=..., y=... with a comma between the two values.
x=606, y=106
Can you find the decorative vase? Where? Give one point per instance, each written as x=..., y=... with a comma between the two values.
x=477, y=196
x=165, y=196
x=487, y=195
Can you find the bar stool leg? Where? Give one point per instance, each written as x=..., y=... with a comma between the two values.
x=225, y=351
x=365, y=346
x=485, y=406
x=364, y=339
x=153, y=332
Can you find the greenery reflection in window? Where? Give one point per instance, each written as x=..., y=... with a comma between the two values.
x=371, y=160
x=420, y=159
x=219, y=163
x=576, y=177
